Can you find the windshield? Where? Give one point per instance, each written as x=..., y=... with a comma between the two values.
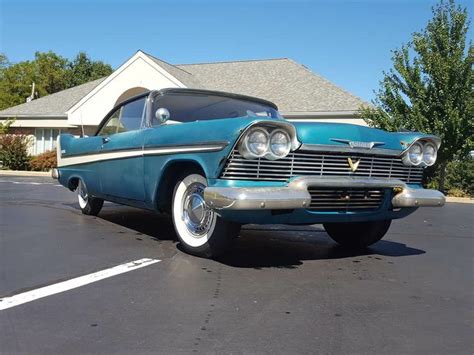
x=188, y=107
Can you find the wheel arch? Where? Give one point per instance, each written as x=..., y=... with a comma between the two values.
x=171, y=173
x=73, y=182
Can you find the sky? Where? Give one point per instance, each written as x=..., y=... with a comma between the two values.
x=348, y=42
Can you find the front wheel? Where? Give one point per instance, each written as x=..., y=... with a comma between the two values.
x=200, y=230
x=357, y=234
x=89, y=205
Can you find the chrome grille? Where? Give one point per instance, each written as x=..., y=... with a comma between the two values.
x=345, y=200
x=320, y=164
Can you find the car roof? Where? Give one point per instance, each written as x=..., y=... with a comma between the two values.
x=166, y=91
x=218, y=93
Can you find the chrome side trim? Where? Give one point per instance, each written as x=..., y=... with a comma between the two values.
x=344, y=149
x=122, y=154
x=418, y=198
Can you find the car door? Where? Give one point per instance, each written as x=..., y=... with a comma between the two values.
x=121, y=171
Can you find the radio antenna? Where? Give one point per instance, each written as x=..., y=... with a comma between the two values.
x=82, y=125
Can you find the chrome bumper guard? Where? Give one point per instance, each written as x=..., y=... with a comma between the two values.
x=296, y=194
x=55, y=173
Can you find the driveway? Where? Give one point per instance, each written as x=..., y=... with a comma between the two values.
x=281, y=290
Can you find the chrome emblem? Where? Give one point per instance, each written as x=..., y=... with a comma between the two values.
x=355, y=144
x=353, y=165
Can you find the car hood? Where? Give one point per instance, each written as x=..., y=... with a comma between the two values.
x=337, y=133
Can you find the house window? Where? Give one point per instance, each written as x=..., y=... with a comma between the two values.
x=45, y=139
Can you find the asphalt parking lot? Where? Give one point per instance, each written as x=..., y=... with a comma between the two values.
x=281, y=290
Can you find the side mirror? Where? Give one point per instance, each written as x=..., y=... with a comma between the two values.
x=162, y=115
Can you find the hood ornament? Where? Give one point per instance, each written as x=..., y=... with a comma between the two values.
x=356, y=144
x=353, y=164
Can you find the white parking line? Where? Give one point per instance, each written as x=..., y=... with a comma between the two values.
x=13, y=301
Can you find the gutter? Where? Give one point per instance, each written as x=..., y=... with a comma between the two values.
x=320, y=114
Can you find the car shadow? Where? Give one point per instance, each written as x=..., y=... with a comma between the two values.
x=157, y=226
x=259, y=247
x=289, y=248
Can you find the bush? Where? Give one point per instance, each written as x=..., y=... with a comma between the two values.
x=460, y=177
x=44, y=162
x=14, y=151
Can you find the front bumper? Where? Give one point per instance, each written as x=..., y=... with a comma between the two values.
x=295, y=195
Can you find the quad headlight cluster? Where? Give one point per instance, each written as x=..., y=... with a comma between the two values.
x=262, y=142
x=421, y=153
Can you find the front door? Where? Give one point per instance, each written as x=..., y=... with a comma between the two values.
x=121, y=170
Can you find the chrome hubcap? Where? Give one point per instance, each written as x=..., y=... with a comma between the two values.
x=196, y=215
x=82, y=191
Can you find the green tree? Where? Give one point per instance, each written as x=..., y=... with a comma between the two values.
x=82, y=69
x=3, y=61
x=49, y=71
x=430, y=87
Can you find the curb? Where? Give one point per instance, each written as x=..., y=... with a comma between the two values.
x=25, y=173
x=460, y=199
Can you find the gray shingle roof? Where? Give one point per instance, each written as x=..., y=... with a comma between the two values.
x=290, y=85
x=52, y=105
x=293, y=87
x=182, y=75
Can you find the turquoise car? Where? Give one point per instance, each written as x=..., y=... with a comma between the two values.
x=215, y=161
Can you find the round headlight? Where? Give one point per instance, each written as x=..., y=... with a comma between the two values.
x=257, y=142
x=280, y=144
x=415, y=153
x=429, y=154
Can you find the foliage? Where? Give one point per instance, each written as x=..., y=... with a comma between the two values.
x=5, y=126
x=49, y=71
x=430, y=87
x=14, y=151
x=460, y=175
x=82, y=69
x=459, y=178
x=44, y=162
x=455, y=192
x=3, y=61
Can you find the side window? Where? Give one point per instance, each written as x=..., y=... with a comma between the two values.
x=126, y=118
x=113, y=124
x=132, y=115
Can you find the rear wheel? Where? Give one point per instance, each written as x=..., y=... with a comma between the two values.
x=200, y=230
x=357, y=234
x=89, y=205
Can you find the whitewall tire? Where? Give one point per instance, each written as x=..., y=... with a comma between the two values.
x=89, y=205
x=199, y=229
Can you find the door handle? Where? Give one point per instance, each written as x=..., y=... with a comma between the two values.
x=105, y=140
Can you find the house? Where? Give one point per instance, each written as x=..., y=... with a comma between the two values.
x=299, y=93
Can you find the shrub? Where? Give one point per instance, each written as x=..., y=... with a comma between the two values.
x=14, y=151
x=460, y=177
x=455, y=192
x=44, y=162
